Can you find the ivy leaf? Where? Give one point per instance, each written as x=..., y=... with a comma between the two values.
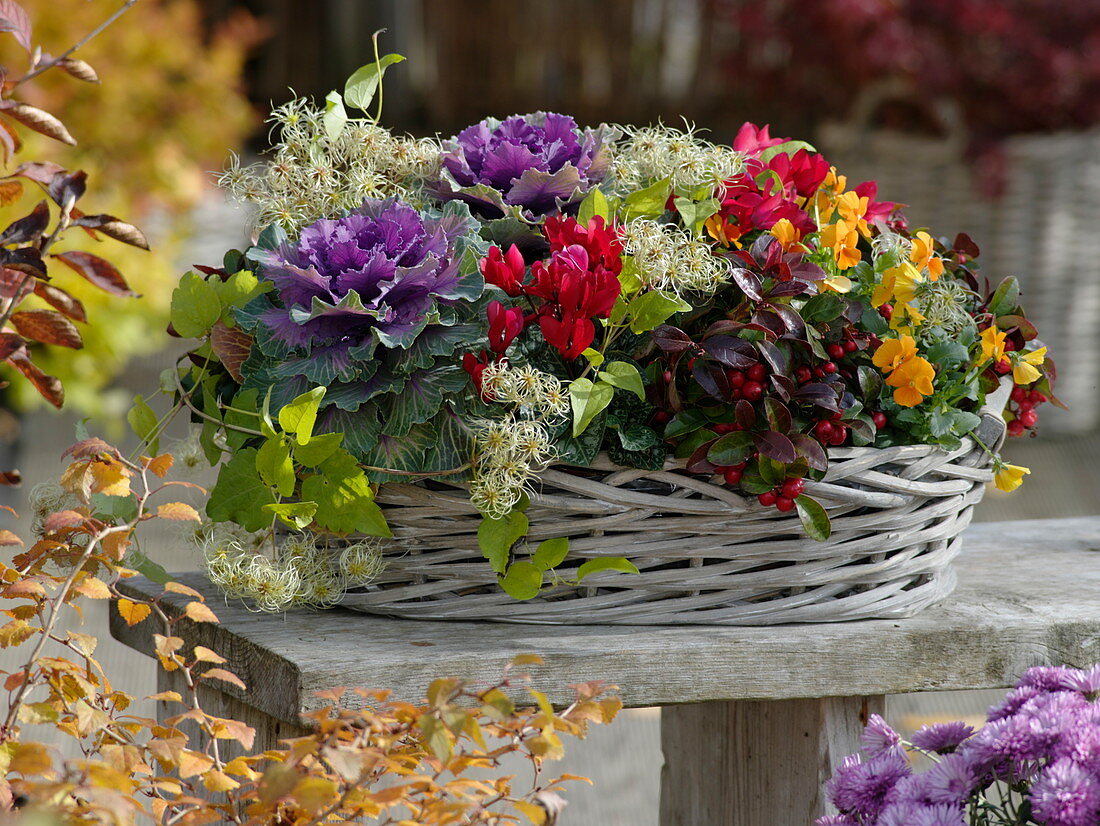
x=551, y=553
x=496, y=537
x=522, y=581
x=239, y=494
x=344, y=497
x=275, y=466
x=606, y=563
x=299, y=416
x=588, y=399
x=295, y=514
x=195, y=306
x=624, y=376
x=815, y=520
x=637, y=437
x=362, y=86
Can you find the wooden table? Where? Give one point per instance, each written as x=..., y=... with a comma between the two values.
x=754, y=718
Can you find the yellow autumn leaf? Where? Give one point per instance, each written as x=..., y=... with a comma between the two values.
x=133, y=612
x=179, y=511
x=198, y=612
x=110, y=478
x=30, y=758
x=9, y=538
x=180, y=588
x=93, y=588
x=205, y=655
x=160, y=465
x=536, y=814
x=194, y=762
x=314, y=793
x=217, y=781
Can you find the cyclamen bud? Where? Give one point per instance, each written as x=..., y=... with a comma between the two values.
x=504, y=271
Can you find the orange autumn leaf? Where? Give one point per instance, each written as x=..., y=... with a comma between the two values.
x=160, y=465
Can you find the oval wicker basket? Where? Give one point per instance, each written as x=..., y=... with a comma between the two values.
x=706, y=554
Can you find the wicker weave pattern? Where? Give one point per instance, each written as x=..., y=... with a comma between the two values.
x=706, y=554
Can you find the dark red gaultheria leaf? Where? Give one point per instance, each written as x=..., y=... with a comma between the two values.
x=811, y=450
x=965, y=245
x=15, y=284
x=47, y=326
x=1026, y=328
x=37, y=119
x=48, y=386
x=748, y=282
x=99, y=272
x=730, y=351
x=231, y=345
x=745, y=414
x=791, y=318
x=773, y=355
x=697, y=462
x=779, y=417
x=66, y=304
x=711, y=379
x=671, y=339
x=28, y=227
x=784, y=386
x=723, y=327
x=14, y=19
x=770, y=322
x=10, y=478
x=785, y=289
x=807, y=271
x=775, y=446
x=9, y=343
x=10, y=190
x=68, y=189
x=823, y=395
x=115, y=228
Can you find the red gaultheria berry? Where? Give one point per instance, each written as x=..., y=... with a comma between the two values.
x=823, y=430
x=1011, y=345
x=835, y=351
x=735, y=393
x=753, y=391
x=722, y=428
x=784, y=504
x=840, y=434
x=886, y=311
x=1002, y=366
x=819, y=372
x=757, y=372
x=793, y=488
x=1036, y=397
x=879, y=418
x=767, y=499
x=1028, y=418
x=735, y=377
x=803, y=374
x=1016, y=428
x=1019, y=394
x=732, y=476
x=740, y=466
x=850, y=346
x=661, y=416
x=829, y=367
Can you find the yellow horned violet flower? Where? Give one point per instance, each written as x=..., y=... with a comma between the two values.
x=844, y=240
x=912, y=381
x=853, y=211
x=899, y=284
x=1025, y=369
x=1009, y=477
x=923, y=256
x=786, y=233
x=993, y=343
x=894, y=352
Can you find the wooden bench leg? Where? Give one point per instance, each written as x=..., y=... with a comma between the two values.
x=756, y=762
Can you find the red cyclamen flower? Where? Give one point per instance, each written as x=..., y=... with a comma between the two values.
x=571, y=335
x=505, y=323
x=504, y=271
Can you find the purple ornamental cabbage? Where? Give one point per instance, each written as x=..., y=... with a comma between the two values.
x=371, y=277
x=538, y=163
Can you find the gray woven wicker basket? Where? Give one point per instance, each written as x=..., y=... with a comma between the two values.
x=706, y=554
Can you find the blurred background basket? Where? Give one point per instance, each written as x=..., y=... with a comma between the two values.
x=1040, y=226
x=705, y=554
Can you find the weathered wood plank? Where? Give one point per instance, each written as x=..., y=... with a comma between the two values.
x=1029, y=593
x=756, y=762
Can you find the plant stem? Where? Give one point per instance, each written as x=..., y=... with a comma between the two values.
x=65, y=54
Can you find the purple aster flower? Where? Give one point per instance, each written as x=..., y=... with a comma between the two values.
x=878, y=737
x=1049, y=678
x=861, y=788
x=539, y=162
x=836, y=820
x=1066, y=795
x=950, y=781
x=1087, y=682
x=941, y=737
x=373, y=276
x=916, y=814
x=1012, y=702
x=1080, y=740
